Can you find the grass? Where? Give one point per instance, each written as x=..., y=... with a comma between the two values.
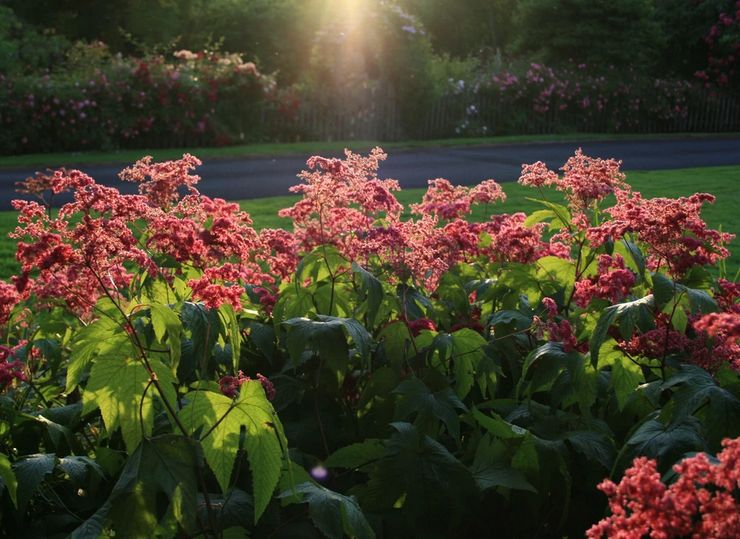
x=52, y=160
x=722, y=182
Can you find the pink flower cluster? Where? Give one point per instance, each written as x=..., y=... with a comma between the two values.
x=613, y=282
x=672, y=230
x=712, y=343
x=97, y=242
x=585, y=179
x=560, y=331
x=702, y=503
x=230, y=384
x=345, y=204
x=10, y=370
x=446, y=201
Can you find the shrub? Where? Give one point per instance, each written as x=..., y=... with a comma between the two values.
x=168, y=369
x=112, y=102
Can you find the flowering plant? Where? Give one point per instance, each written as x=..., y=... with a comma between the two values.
x=371, y=371
x=186, y=99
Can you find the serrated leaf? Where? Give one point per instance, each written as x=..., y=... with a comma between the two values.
x=8, y=480
x=85, y=347
x=558, y=269
x=562, y=212
x=79, y=467
x=165, y=322
x=608, y=317
x=625, y=377
x=497, y=426
x=655, y=440
x=544, y=363
x=336, y=515
x=467, y=353
x=593, y=445
x=356, y=455
x=372, y=289
x=696, y=388
x=30, y=472
x=203, y=325
x=326, y=335
x=117, y=386
x=666, y=290
x=164, y=464
x=221, y=420
x=231, y=329
x=417, y=398
x=436, y=485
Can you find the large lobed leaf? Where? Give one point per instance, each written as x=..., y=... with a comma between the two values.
x=220, y=421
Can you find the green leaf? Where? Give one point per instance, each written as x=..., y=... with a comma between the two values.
x=79, y=468
x=357, y=455
x=117, y=387
x=435, y=486
x=203, y=325
x=655, y=440
x=221, y=421
x=7, y=479
x=231, y=330
x=320, y=264
x=562, y=212
x=326, y=335
x=507, y=317
x=337, y=516
x=165, y=322
x=101, y=337
x=165, y=464
x=372, y=289
x=490, y=468
x=632, y=255
x=562, y=271
x=543, y=365
x=612, y=314
x=494, y=476
x=666, y=290
x=30, y=472
x=467, y=353
x=593, y=445
x=413, y=302
x=497, y=426
x=695, y=388
x=625, y=378
x=417, y=398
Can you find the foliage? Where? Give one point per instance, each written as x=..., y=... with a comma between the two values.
x=99, y=101
x=168, y=370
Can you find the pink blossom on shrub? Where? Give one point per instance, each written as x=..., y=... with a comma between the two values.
x=671, y=229
x=702, y=502
x=613, y=282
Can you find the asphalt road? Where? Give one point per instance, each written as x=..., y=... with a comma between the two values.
x=264, y=176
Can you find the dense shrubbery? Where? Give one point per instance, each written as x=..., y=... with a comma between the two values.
x=103, y=101
x=169, y=370
x=576, y=98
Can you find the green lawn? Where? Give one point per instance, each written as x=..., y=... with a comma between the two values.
x=723, y=182
x=52, y=160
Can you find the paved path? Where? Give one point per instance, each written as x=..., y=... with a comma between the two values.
x=260, y=177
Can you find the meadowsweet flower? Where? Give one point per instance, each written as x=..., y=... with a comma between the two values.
x=613, y=282
x=672, y=230
x=702, y=502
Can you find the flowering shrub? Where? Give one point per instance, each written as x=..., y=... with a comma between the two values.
x=702, y=502
x=541, y=98
x=371, y=371
x=188, y=99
